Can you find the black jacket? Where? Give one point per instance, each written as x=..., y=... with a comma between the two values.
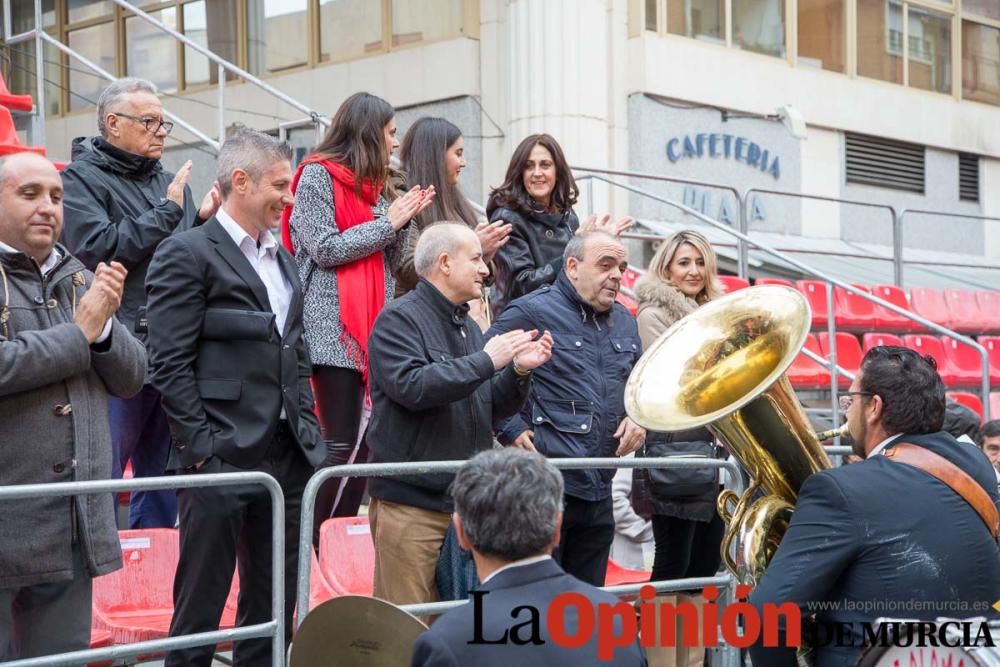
x=877, y=533
x=224, y=370
x=434, y=393
x=116, y=210
x=578, y=397
x=533, y=254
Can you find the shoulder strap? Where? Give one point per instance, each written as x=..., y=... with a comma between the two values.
x=957, y=479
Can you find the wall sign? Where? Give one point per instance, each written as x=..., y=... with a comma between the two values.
x=726, y=146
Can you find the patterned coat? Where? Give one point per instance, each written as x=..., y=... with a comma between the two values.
x=320, y=248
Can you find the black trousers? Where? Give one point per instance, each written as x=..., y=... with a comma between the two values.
x=227, y=526
x=340, y=396
x=588, y=528
x=686, y=548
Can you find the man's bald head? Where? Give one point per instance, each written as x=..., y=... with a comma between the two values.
x=450, y=257
x=594, y=263
x=31, y=204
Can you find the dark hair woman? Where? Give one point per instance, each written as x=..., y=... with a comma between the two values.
x=686, y=528
x=433, y=153
x=348, y=242
x=537, y=199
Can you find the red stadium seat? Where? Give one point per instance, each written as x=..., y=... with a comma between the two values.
x=774, y=281
x=965, y=312
x=853, y=312
x=804, y=373
x=347, y=556
x=124, y=496
x=992, y=345
x=848, y=354
x=995, y=405
x=970, y=401
x=631, y=277
x=815, y=293
x=932, y=346
x=870, y=340
x=101, y=639
x=989, y=308
x=628, y=302
x=618, y=575
x=929, y=303
x=12, y=101
x=10, y=143
x=887, y=320
x=733, y=283
x=967, y=363
x=135, y=603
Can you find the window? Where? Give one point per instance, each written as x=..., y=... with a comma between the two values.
x=987, y=8
x=884, y=163
x=21, y=80
x=759, y=26
x=701, y=19
x=879, y=40
x=349, y=29
x=276, y=35
x=822, y=34
x=210, y=25
x=22, y=15
x=425, y=20
x=651, y=15
x=929, y=41
x=83, y=10
x=968, y=177
x=980, y=63
x=96, y=44
x=151, y=53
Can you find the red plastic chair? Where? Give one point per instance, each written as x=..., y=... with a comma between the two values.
x=631, y=277
x=887, y=320
x=965, y=312
x=848, y=354
x=815, y=293
x=995, y=405
x=12, y=101
x=851, y=311
x=124, y=496
x=618, y=575
x=992, y=345
x=10, y=143
x=970, y=401
x=870, y=340
x=967, y=363
x=989, y=309
x=804, y=373
x=932, y=346
x=631, y=304
x=347, y=556
x=929, y=303
x=733, y=283
x=774, y=281
x=136, y=603
x=101, y=639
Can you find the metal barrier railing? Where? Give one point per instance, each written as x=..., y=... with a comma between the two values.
x=831, y=283
x=274, y=628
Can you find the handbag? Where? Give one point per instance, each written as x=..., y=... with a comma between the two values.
x=678, y=483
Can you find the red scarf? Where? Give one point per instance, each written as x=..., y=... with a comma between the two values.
x=361, y=283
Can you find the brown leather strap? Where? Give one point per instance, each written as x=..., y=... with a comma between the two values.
x=949, y=473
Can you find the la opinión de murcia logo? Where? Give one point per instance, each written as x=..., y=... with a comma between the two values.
x=572, y=621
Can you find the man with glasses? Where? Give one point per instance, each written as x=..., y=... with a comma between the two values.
x=120, y=204
x=885, y=537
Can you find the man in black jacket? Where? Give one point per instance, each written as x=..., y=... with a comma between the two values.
x=229, y=358
x=120, y=203
x=435, y=392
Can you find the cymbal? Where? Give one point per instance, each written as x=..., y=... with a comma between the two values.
x=355, y=631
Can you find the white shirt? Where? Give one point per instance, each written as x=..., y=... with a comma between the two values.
x=880, y=446
x=517, y=563
x=262, y=253
x=50, y=263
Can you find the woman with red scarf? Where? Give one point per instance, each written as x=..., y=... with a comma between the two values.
x=348, y=242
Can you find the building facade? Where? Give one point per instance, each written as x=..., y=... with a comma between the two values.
x=890, y=103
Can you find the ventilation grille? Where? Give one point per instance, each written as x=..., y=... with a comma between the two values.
x=968, y=177
x=885, y=163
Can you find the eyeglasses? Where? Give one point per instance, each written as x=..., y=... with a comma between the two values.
x=152, y=125
x=848, y=398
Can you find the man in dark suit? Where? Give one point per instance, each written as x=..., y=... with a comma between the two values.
x=508, y=512
x=228, y=357
x=883, y=538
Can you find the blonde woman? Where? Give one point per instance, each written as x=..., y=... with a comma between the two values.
x=686, y=528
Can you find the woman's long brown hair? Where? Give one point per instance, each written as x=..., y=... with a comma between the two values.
x=512, y=194
x=356, y=138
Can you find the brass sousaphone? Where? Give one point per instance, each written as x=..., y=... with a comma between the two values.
x=723, y=367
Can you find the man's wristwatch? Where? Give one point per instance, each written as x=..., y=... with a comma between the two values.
x=520, y=371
